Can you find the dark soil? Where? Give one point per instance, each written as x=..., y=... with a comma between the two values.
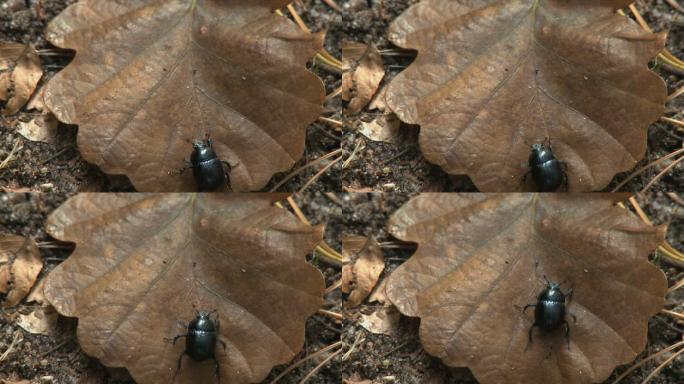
x=58, y=167
x=60, y=356
x=386, y=359
x=400, y=167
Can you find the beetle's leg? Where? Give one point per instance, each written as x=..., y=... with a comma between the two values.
x=180, y=359
x=529, y=336
x=567, y=332
x=574, y=318
x=217, y=372
x=569, y=294
x=527, y=306
x=176, y=338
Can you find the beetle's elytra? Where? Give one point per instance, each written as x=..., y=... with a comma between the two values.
x=206, y=166
x=547, y=171
x=549, y=310
x=201, y=339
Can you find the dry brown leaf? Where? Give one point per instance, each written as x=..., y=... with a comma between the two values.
x=365, y=272
x=20, y=72
x=379, y=294
x=40, y=128
x=43, y=321
x=493, y=77
x=384, y=320
x=144, y=262
x=382, y=128
x=37, y=295
x=352, y=52
x=165, y=73
x=366, y=79
x=20, y=264
x=481, y=259
x=379, y=101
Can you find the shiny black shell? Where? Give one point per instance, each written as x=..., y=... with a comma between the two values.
x=547, y=171
x=200, y=342
x=549, y=312
x=206, y=167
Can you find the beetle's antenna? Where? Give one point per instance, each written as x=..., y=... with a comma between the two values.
x=547, y=280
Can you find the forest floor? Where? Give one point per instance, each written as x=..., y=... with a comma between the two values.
x=59, y=357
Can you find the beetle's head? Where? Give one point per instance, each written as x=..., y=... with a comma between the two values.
x=553, y=286
x=537, y=147
x=200, y=144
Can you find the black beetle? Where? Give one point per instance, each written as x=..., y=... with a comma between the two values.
x=549, y=310
x=547, y=171
x=206, y=166
x=201, y=339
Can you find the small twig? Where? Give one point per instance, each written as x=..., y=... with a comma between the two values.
x=676, y=93
x=303, y=167
x=353, y=154
x=333, y=5
x=11, y=154
x=679, y=124
x=678, y=315
x=647, y=166
x=56, y=155
x=675, y=5
x=16, y=340
x=645, y=360
x=319, y=366
x=662, y=173
x=330, y=121
x=58, y=346
x=319, y=174
x=334, y=315
x=358, y=341
x=675, y=198
x=663, y=365
x=304, y=360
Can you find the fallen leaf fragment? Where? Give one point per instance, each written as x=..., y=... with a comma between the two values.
x=364, y=274
x=145, y=262
x=384, y=320
x=42, y=320
x=20, y=264
x=361, y=84
x=41, y=128
x=482, y=257
x=382, y=128
x=20, y=72
x=163, y=74
x=492, y=78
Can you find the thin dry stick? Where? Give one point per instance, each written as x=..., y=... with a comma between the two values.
x=353, y=154
x=645, y=360
x=358, y=341
x=679, y=124
x=304, y=360
x=333, y=5
x=676, y=93
x=16, y=340
x=675, y=198
x=645, y=167
x=675, y=5
x=662, y=173
x=319, y=174
x=675, y=287
x=678, y=315
x=319, y=366
x=298, y=19
x=661, y=366
x=331, y=121
x=11, y=154
x=303, y=167
x=334, y=315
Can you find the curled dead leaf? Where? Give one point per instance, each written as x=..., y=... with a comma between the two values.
x=492, y=78
x=382, y=128
x=384, y=320
x=20, y=72
x=360, y=278
x=20, y=264
x=361, y=83
x=481, y=259
x=41, y=128
x=144, y=262
x=163, y=74
x=42, y=320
